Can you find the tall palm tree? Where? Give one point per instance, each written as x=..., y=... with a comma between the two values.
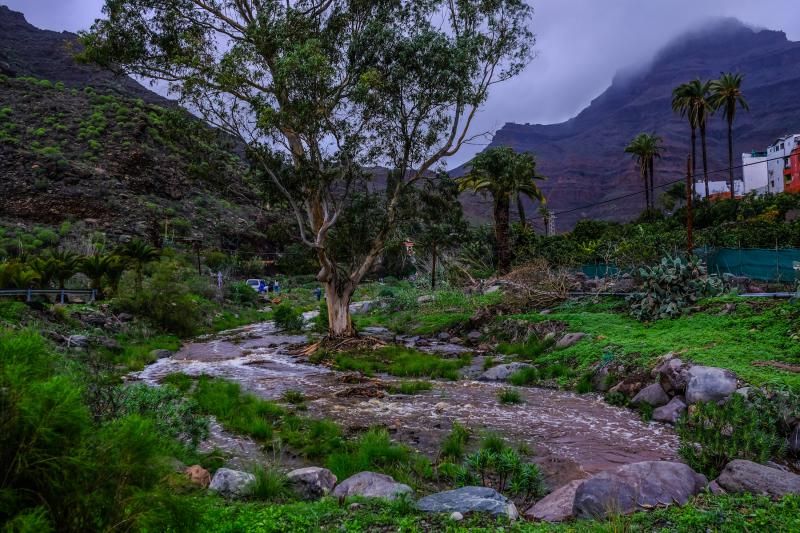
x=726, y=94
x=692, y=99
x=646, y=148
x=95, y=267
x=505, y=175
x=65, y=266
x=139, y=254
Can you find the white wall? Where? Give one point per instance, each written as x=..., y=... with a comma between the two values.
x=775, y=164
x=754, y=171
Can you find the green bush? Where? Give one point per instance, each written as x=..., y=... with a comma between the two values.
x=401, y=361
x=509, y=396
x=288, y=318
x=373, y=450
x=712, y=435
x=504, y=471
x=270, y=485
x=526, y=376
x=240, y=293
x=616, y=398
x=671, y=288
x=454, y=444
x=174, y=416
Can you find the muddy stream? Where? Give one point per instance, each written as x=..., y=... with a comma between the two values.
x=572, y=435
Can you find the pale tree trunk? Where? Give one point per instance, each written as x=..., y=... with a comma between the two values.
x=730, y=158
x=705, y=157
x=501, y=216
x=338, y=301
x=694, y=160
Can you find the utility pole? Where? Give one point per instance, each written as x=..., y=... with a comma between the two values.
x=689, y=214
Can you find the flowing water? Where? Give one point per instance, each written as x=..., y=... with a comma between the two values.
x=572, y=435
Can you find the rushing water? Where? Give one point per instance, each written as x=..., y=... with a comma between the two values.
x=573, y=435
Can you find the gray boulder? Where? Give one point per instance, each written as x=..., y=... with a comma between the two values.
x=371, y=485
x=312, y=482
x=556, y=506
x=231, y=483
x=569, y=339
x=469, y=500
x=746, y=476
x=709, y=384
x=671, y=412
x=77, y=341
x=360, y=308
x=652, y=394
x=502, y=372
x=636, y=486
x=474, y=336
x=673, y=373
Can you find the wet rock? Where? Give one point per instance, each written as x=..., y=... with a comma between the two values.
x=569, y=340
x=671, y=412
x=313, y=482
x=474, y=336
x=469, y=500
x=198, y=476
x=502, y=372
x=231, y=483
x=673, y=373
x=746, y=476
x=637, y=486
x=556, y=506
x=161, y=354
x=709, y=384
x=652, y=394
x=125, y=317
x=455, y=516
x=371, y=485
x=600, y=379
x=794, y=440
x=425, y=298
x=77, y=341
x=443, y=336
x=109, y=344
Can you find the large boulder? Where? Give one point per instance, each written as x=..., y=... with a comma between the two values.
x=636, y=486
x=556, y=506
x=231, y=483
x=502, y=372
x=569, y=339
x=371, y=485
x=652, y=394
x=673, y=374
x=313, y=482
x=671, y=412
x=709, y=384
x=469, y=500
x=746, y=476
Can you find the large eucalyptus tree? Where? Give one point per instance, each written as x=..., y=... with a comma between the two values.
x=328, y=88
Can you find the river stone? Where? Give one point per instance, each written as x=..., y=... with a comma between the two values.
x=709, y=384
x=161, y=354
x=674, y=374
x=746, y=476
x=371, y=485
x=469, y=500
x=474, y=336
x=313, y=482
x=198, y=476
x=502, y=372
x=77, y=341
x=600, y=379
x=556, y=506
x=652, y=394
x=569, y=339
x=637, y=486
x=671, y=412
x=231, y=483
x=794, y=440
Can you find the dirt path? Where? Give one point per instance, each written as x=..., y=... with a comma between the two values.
x=573, y=435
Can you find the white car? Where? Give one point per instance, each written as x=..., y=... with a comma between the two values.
x=255, y=283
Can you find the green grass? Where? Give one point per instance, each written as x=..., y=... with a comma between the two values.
x=293, y=397
x=400, y=361
x=757, y=331
x=526, y=376
x=529, y=351
x=705, y=513
x=509, y=397
x=270, y=485
x=410, y=387
x=241, y=317
x=137, y=352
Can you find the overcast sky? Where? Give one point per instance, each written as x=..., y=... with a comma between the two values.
x=580, y=45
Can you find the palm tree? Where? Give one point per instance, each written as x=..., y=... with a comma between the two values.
x=95, y=267
x=45, y=268
x=646, y=149
x=139, y=254
x=726, y=94
x=65, y=266
x=692, y=99
x=505, y=175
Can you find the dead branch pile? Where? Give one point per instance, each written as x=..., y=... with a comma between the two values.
x=344, y=344
x=537, y=285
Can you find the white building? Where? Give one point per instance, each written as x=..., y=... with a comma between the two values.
x=718, y=188
x=778, y=160
x=754, y=172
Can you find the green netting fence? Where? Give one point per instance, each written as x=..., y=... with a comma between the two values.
x=774, y=265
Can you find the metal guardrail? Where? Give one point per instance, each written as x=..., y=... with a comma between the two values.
x=59, y=293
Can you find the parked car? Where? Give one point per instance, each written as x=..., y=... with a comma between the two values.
x=256, y=283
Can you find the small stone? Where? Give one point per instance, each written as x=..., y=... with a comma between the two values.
x=77, y=341
x=161, y=354
x=313, y=482
x=355, y=506
x=426, y=298
x=198, y=476
x=443, y=336
x=474, y=336
x=455, y=516
x=653, y=395
x=569, y=340
x=671, y=412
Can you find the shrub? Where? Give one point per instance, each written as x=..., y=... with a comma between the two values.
x=504, y=471
x=288, y=318
x=321, y=322
x=712, y=435
x=241, y=293
x=270, y=485
x=174, y=416
x=373, y=450
x=293, y=397
x=671, y=288
x=526, y=376
x=454, y=444
x=509, y=396
x=616, y=398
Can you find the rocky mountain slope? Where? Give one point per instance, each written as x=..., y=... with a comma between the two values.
x=584, y=159
x=79, y=145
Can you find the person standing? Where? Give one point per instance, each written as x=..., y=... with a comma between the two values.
x=318, y=293
x=277, y=287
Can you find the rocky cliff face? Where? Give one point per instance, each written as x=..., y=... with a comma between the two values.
x=584, y=159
